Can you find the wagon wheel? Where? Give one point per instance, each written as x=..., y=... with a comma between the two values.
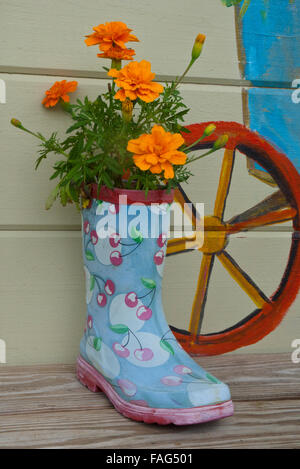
x=282, y=205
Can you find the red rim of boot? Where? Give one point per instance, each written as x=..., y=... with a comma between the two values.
x=128, y=197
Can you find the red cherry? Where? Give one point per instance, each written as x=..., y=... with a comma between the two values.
x=182, y=369
x=127, y=387
x=144, y=354
x=109, y=287
x=159, y=257
x=114, y=240
x=120, y=350
x=171, y=380
x=90, y=322
x=131, y=299
x=101, y=299
x=116, y=258
x=94, y=237
x=161, y=240
x=86, y=227
x=144, y=313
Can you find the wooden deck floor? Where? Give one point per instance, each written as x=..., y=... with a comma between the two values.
x=46, y=407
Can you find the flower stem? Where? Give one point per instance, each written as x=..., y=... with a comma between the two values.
x=201, y=156
x=190, y=147
x=40, y=137
x=184, y=73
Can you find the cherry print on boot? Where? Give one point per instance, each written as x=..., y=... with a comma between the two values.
x=126, y=332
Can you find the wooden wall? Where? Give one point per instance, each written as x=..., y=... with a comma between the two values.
x=42, y=307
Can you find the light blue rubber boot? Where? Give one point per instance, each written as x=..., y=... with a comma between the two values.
x=128, y=350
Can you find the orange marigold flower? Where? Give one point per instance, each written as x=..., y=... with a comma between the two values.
x=59, y=90
x=135, y=81
x=158, y=151
x=109, y=35
x=117, y=53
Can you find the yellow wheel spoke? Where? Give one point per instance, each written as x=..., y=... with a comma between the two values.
x=201, y=294
x=186, y=206
x=224, y=183
x=177, y=245
x=243, y=280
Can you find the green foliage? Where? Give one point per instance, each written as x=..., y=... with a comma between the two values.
x=95, y=148
x=244, y=7
x=229, y=3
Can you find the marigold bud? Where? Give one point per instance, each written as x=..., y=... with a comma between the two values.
x=198, y=45
x=127, y=108
x=221, y=142
x=209, y=130
x=85, y=203
x=16, y=122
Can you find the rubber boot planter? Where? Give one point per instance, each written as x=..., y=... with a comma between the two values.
x=128, y=350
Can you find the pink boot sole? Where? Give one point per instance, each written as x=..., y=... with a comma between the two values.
x=95, y=382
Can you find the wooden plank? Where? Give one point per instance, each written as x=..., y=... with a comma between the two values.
x=34, y=389
x=256, y=424
x=45, y=407
x=23, y=191
x=24, y=94
x=43, y=295
x=28, y=38
x=263, y=46
x=199, y=80
x=31, y=390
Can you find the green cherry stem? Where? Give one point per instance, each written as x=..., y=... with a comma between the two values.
x=128, y=338
x=141, y=348
x=89, y=241
x=162, y=337
x=127, y=254
x=126, y=244
x=152, y=298
x=140, y=297
x=98, y=285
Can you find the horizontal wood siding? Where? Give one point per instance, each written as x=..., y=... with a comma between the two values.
x=42, y=306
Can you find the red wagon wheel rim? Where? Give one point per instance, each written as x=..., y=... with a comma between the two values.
x=270, y=311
